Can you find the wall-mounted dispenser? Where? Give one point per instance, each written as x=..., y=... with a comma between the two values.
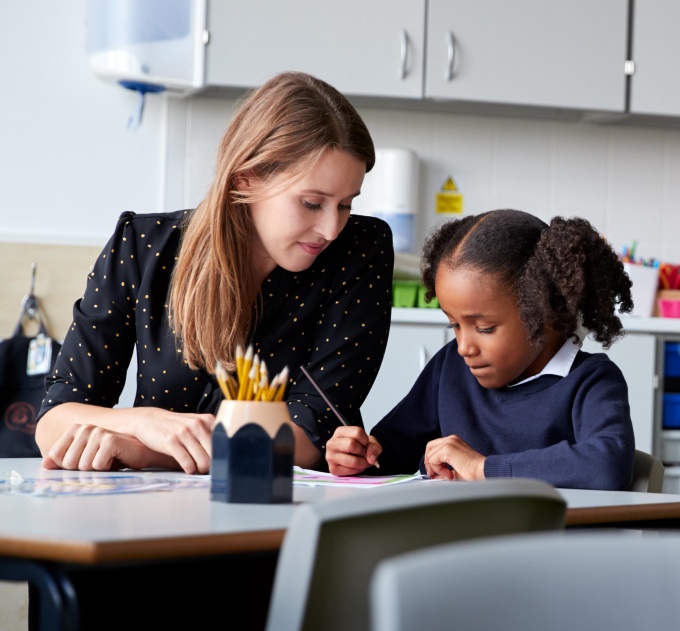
x=148, y=45
x=390, y=191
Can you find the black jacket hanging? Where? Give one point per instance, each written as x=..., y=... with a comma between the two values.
x=24, y=363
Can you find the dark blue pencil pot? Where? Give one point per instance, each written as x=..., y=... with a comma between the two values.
x=252, y=453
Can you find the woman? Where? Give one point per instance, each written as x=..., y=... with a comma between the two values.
x=271, y=257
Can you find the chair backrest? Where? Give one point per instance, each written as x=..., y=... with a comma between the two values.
x=648, y=473
x=331, y=547
x=590, y=581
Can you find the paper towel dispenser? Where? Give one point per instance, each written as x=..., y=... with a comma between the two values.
x=390, y=191
x=148, y=45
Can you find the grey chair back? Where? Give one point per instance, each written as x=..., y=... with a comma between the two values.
x=648, y=473
x=590, y=581
x=331, y=547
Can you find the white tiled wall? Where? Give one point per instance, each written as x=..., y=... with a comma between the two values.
x=624, y=179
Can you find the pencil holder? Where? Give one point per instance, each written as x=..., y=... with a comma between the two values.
x=252, y=453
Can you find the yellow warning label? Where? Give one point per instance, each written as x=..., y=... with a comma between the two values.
x=449, y=200
x=449, y=185
x=449, y=203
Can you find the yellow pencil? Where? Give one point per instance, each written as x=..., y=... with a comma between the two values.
x=222, y=379
x=239, y=361
x=281, y=390
x=271, y=389
x=243, y=375
x=261, y=392
x=232, y=384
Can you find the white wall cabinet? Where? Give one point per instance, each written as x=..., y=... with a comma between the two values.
x=528, y=52
x=490, y=55
x=372, y=48
x=635, y=354
x=656, y=53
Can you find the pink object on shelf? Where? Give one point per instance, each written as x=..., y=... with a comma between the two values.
x=669, y=308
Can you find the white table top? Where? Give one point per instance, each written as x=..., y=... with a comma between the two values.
x=184, y=521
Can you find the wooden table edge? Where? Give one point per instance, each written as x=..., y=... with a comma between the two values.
x=164, y=548
x=624, y=513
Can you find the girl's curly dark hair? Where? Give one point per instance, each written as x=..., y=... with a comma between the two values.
x=563, y=274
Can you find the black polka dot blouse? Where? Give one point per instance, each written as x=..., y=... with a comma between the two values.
x=333, y=317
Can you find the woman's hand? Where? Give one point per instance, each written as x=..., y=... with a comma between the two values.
x=187, y=438
x=92, y=448
x=451, y=458
x=350, y=451
x=78, y=436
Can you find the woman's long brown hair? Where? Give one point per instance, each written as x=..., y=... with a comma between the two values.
x=277, y=134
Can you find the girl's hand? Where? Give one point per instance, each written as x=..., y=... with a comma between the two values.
x=350, y=451
x=451, y=458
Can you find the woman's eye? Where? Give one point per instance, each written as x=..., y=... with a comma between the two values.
x=310, y=205
x=451, y=325
x=489, y=330
x=347, y=207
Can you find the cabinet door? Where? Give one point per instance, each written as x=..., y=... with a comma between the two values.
x=409, y=348
x=635, y=355
x=372, y=48
x=656, y=53
x=528, y=52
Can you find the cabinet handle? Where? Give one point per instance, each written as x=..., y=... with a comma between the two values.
x=404, y=53
x=450, y=55
x=422, y=357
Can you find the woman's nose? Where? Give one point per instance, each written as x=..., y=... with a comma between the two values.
x=330, y=224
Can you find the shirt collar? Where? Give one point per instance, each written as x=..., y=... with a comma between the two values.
x=561, y=362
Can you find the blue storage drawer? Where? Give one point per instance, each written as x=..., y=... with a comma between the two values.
x=672, y=359
x=671, y=410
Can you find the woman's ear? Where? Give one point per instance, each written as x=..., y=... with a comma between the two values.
x=241, y=182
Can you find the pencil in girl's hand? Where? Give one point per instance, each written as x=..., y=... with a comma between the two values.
x=335, y=410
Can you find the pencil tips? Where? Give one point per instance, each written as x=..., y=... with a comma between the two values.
x=251, y=380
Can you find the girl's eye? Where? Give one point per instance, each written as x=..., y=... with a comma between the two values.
x=310, y=205
x=451, y=325
x=489, y=330
x=347, y=207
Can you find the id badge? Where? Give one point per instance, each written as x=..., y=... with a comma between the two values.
x=39, y=356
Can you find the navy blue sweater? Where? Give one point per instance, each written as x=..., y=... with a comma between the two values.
x=572, y=432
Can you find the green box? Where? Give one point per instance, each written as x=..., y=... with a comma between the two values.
x=405, y=293
x=410, y=293
x=433, y=304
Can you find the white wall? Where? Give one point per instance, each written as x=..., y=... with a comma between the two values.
x=69, y=167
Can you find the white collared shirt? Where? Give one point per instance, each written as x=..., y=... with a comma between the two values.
x=560, y=364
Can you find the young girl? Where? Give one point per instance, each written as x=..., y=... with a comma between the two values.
x=271, y=257
x=513, y=395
